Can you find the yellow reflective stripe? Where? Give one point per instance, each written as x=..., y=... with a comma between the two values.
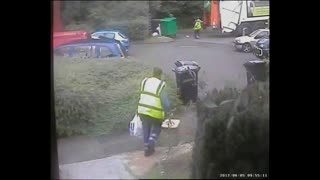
x=149, y=93
x=151, y=112
x=151, y=107
x=197, y=26
x=150, y=100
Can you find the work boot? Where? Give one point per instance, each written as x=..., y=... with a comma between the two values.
x=152, y=150
x=146, y=150
x=149, y=151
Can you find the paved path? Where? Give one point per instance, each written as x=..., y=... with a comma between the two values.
x=131, y=165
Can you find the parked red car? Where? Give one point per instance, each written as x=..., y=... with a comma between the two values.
x=60, y=38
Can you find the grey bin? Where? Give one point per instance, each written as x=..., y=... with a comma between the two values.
x=256, y=71
x=187, y=80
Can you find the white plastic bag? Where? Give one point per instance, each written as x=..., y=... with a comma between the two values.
x=135, y=127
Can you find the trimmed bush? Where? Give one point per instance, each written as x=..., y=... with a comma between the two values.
x=79, y=27
x=233, y=133
x=136, y=29
x=95, y=97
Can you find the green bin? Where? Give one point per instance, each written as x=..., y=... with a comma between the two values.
x=168, y=26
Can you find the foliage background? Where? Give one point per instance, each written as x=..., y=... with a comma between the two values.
x=132, y=17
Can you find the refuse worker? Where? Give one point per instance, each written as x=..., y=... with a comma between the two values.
x=197, y=27
x=152, y=108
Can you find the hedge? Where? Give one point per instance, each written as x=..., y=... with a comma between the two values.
x=136, y=29
x=233, y=133
x=94, y=97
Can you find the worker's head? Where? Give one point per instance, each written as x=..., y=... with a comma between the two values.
x=157, y=72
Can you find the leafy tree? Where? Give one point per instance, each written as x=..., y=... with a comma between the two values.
x=101, y=14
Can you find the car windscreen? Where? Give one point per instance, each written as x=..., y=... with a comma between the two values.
x=254, y=33
x=106, y=39
x=108, y=35
x=123, y=36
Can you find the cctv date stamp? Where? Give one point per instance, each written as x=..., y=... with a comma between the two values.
x=244, y=175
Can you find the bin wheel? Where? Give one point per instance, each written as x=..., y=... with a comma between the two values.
x=250, y=78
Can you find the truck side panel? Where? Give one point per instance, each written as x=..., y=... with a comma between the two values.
x=230, y=12
x=236, y=16
x=243, y=16
x=257, y=8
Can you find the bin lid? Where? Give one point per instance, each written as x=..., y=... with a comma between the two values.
x=185, y=68
x=255, y=62
x=168, y=19
x=186, y=62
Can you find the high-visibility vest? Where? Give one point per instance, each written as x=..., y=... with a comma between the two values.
x=197, y=26
x=150, y=101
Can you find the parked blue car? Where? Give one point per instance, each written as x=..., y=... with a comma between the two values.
x=90, y=49
x=112, y=34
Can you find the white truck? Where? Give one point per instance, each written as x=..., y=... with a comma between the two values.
x=239, y=17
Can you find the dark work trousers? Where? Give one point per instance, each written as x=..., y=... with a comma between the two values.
x=196, y=33
x=151, y=131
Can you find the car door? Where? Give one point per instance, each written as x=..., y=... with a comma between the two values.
x=259, y=36
x=104, y=51
x=63, y=51
x=82, y=51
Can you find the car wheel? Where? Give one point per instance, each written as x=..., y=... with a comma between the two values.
x=246, y=47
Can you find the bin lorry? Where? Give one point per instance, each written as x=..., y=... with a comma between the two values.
x=238, y=17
